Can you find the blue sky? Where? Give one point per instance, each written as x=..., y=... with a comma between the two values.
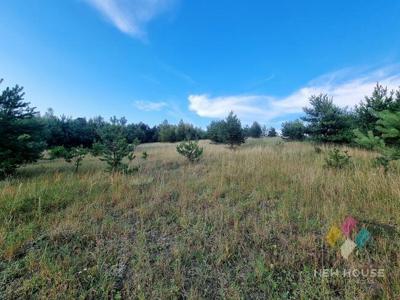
x=150, y=60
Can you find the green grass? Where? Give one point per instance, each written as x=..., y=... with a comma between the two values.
x=248, y=223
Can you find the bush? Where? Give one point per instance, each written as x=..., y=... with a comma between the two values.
x=57, y=152
x=383, y=161
x=114, y=148
x=293, y=130
x=317, y=149
x=191, y=150
x=97, y=149
x=338, y=159
x=75, y=155
x=144, y=155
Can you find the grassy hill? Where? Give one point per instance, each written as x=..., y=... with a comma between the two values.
x=249, y=223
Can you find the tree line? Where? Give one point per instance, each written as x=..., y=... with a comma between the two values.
x=25, y=134
x=326, y=122
x=373, y=124
x=69, y=132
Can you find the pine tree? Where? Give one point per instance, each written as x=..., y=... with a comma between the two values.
x=255, y=130
x=21, y=132
x=114, y=148
x=380, y=100
x=327, y=122
x=272, y=132
x=75, y=156
x=234, y=132
x=293, y=130
x=387, y=139
x=191, y=150
x=388, y=125
x=216, y=131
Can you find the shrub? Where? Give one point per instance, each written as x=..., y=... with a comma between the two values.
x=338, y=159
x=191, y=150
x=383, y=161
x=131, y=156
x=75, y=155
x=57, y=152
x=97, y=149
x=293, y=130
x=115, y=148
x=272, y=132
x=144, y=155
x=317, y=149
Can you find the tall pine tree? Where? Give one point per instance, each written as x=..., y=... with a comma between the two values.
x=327, y=122
x=21, y=132
x=234, y=134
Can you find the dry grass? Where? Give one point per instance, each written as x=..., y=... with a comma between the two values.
x=248, y=223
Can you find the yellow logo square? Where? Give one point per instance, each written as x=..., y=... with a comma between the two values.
x=334, y=234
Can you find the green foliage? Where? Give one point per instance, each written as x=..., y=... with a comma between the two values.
x=383, y=161
x=131, y=156
x=255, y=130
x=57, y=152
x=21, y=132
x=272, y=132
x=234, y=135
x=216, y=131
x=368, y=141
x=115, y=148
x=97, y=149
x=388, y=125
x=327, y=122
x=229, y=131
x=317, y=149
x=75, y=155
x=185, y=131
x=293, y=130
x=167, y=132
x=191, y=150
x=380, y=100
x=69, y=132
x=338, y=159
x=145, y=155
x=387, y=138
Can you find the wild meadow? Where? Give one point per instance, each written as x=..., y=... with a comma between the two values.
x=237, y=224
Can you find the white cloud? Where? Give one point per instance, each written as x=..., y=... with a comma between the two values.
x=131, y=16
x=347, y=87
x=150, y=106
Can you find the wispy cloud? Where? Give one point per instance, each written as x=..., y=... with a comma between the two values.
x=131, y=16
x=347, y=87
x=150, y=106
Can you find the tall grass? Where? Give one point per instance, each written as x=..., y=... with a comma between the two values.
x=248, y=223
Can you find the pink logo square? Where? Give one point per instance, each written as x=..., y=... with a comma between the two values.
x=348, y=225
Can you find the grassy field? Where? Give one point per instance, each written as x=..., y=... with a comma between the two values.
x=249, y=223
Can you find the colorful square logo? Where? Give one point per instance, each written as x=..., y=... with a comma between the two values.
x=349, y=226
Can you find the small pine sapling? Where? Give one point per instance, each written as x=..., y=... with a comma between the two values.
x=144, y=155
x=191, y=150
x=131, y=157
x=338, y=159
x=115, y=148
x=75, y=156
